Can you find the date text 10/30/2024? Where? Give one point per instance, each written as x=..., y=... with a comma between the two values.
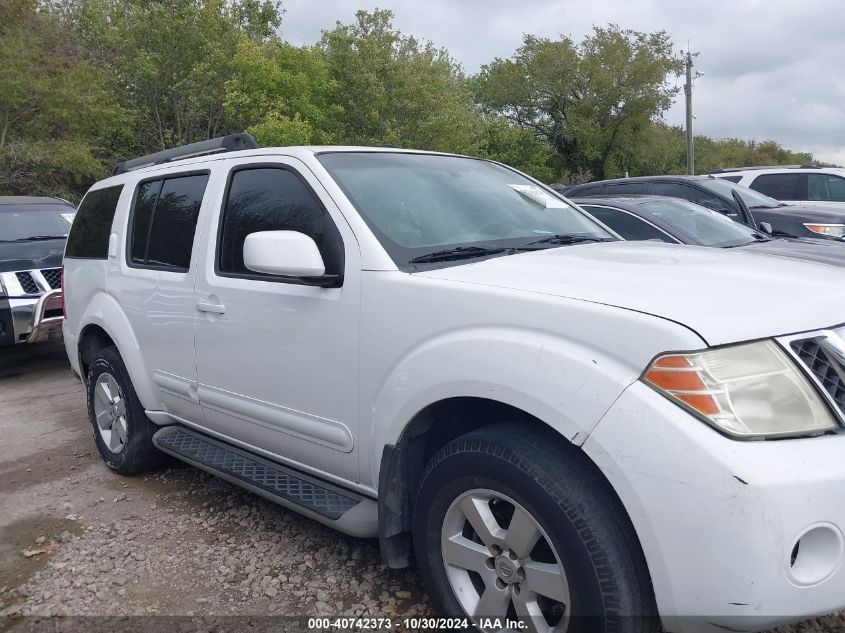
x=412, y=624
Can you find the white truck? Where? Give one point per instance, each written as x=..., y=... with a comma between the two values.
x=560, y=428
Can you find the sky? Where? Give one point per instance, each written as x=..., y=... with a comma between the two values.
x=772, y=69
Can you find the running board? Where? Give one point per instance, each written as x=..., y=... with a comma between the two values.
x=342, y=509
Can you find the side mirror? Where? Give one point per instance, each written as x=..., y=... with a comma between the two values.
x=287, y=253
x=766, y=228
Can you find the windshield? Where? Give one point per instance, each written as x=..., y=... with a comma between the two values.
x=753, y=199
x=708, y=228
x=419, y=204
x=34, y=221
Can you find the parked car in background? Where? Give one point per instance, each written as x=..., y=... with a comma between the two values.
x=678, y=221
x=794, y=184
x=736, y=201
x=33, y=232
x=441, y=352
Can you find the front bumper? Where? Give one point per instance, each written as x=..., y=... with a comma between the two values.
x=719, y=519
x=31, y=319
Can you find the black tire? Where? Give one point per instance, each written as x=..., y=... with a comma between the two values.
x=609, y=584
x=138, y=453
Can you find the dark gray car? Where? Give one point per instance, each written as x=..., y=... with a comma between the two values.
x=736, y=201
x=680, y=221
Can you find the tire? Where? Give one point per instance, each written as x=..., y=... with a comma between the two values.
x=522, y=486
x=125, y=437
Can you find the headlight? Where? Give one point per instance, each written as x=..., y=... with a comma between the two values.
x=747, y=391
x=831, y=230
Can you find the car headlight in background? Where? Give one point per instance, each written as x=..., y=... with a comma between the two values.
x=830, y=230
x=753, y=390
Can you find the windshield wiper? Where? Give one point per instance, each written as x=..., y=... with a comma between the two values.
x=570, y=238
x=36, y=238
x=459, y=252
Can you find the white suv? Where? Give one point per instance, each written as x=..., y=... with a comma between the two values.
x=820, y=186
x=441, y=352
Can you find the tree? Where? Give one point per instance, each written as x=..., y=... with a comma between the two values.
x=171, y=59
x=592, y=101
x=283, y=94
x=58, y=115
x=396, y=90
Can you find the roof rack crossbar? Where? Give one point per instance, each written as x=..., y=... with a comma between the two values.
x=230, y=143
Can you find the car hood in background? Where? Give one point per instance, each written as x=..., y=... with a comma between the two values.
x=725, y=296
x=807, y=213
x=31, y=255
x=828, y=251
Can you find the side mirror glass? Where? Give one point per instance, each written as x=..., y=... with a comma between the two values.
x=287, y=253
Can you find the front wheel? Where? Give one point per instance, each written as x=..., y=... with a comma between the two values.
x=122, y=430
x=512, y=527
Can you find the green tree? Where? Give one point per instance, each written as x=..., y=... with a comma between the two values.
x=591, y=101
x=58, y=116
x=283, y=94
x=397, y=90
x=171, y=59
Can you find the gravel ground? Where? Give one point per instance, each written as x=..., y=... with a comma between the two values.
x=79, y=540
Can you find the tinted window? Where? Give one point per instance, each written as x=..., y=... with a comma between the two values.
x=779, y=186
x=731, y=178
x=165, y=220
x=625, y=188
x=145, y=204
x=273, y=199
x=678, y=190
x=825, y=187
x=585, y=190
x=628, y=226
x=89, y=236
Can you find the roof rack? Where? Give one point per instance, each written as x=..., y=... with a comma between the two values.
x=230, y=143
x=753, y=167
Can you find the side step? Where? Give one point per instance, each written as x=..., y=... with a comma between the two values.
x=342, y=509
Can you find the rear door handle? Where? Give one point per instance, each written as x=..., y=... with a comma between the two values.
x=214, y=308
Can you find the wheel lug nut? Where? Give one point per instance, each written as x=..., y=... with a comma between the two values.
x=516, y=589
x=490, y=563
x=496, y=549
x=520, y=573
x=511, y=555
x=500, y=584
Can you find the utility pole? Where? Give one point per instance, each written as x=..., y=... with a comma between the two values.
x=688, y=57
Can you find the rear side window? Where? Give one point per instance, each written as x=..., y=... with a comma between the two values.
x=825, y=187
x=164, y=221
x=779, y=186
x=731, y=178
x=89, y=234
x=274, y=199
x=629, y=226
x=678, y=190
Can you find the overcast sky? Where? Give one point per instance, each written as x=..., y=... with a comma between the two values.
x=773, y=69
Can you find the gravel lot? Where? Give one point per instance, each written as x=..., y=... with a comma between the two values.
x=78, y=540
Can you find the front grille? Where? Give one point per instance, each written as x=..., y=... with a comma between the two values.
x=28, y=283
x=53, y=276
x=828, y=370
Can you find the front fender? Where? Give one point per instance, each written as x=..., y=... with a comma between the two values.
x=105, y=312
x=560, y=381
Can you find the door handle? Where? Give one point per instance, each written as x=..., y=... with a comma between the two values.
x=214, y=308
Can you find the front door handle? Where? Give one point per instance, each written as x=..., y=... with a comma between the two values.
x=214, y=308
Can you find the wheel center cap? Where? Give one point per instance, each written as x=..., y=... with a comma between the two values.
x=506, y=569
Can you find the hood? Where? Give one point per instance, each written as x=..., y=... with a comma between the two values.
x=31, y=255
x=806, y=213
x=829, y=252
x=725, y=296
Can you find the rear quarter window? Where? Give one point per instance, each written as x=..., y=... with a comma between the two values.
x=89, y=233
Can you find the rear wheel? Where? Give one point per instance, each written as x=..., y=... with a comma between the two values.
x=509, y=525
x=122, y=431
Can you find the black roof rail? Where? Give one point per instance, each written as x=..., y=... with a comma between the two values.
x=230, y=143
